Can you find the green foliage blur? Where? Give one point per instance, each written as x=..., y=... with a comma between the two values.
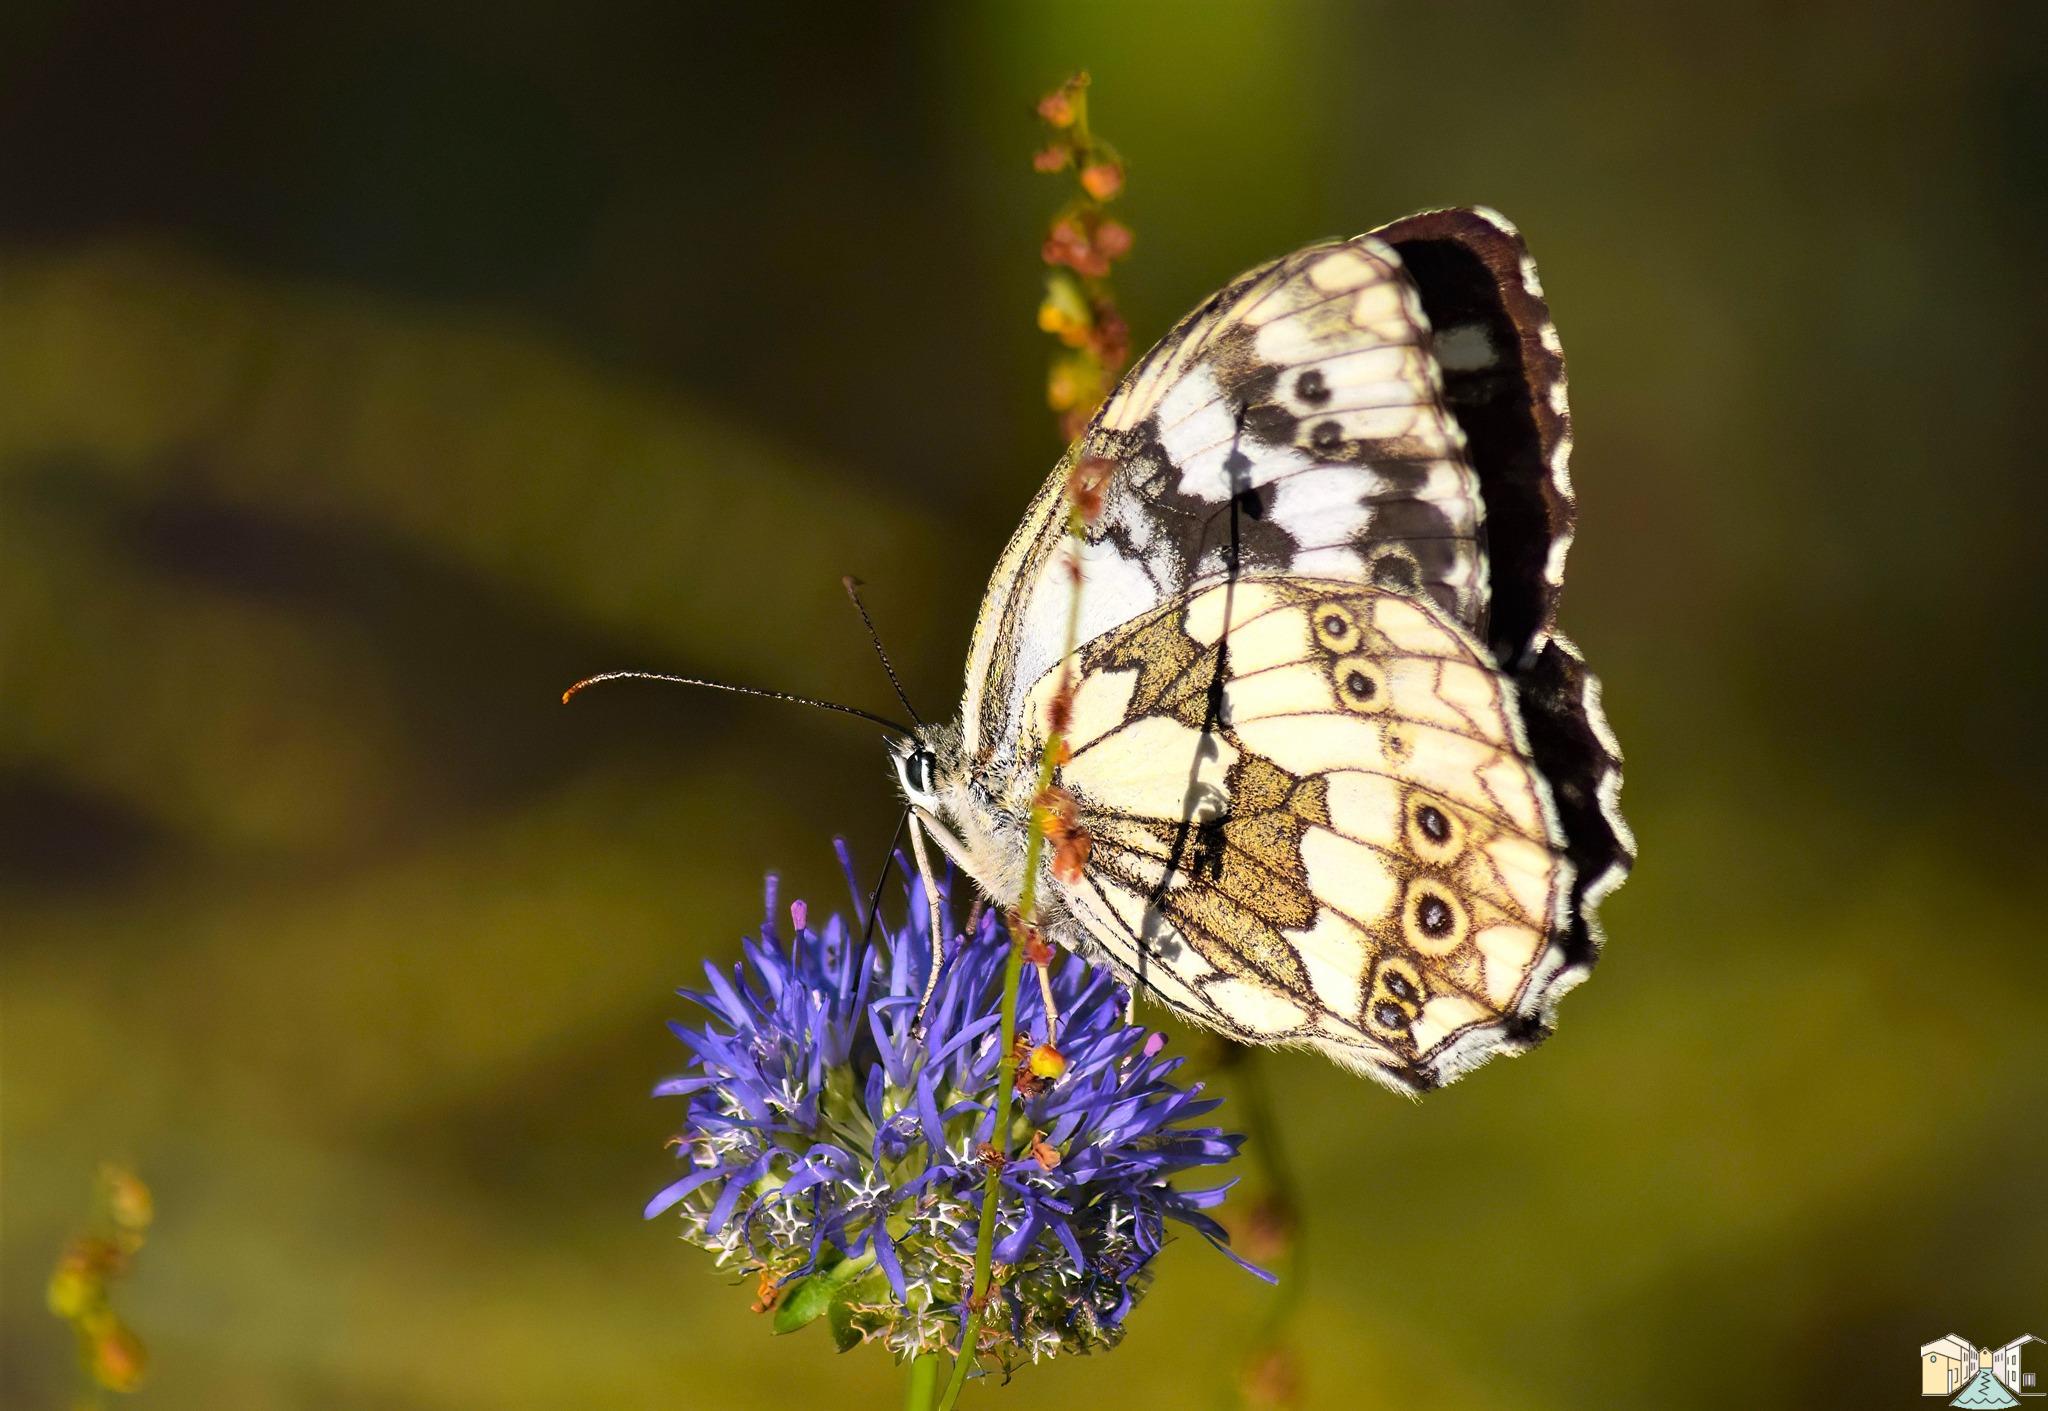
x=370, y=372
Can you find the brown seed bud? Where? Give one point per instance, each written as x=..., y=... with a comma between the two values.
x=1059, y=711
x=128, y=1199
x=1070, y=858
x=1102, y=180
x=118, y=1358
x=1112, y=239
x=1086, y=483
x=1058, y=812
x=1271, y=1380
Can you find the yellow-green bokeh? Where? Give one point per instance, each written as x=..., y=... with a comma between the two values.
x=366, y=375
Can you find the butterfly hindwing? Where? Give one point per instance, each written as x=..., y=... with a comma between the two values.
x=1313, y=819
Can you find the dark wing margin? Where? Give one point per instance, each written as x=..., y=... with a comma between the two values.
x=1578, y=754
x=1504, y=379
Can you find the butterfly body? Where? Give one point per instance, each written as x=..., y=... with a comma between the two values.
x=1340, y=783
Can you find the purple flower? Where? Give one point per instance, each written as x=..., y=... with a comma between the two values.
x=840, y=1158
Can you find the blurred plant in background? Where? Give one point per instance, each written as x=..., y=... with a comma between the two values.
x=835, y=1156
x=1081, y=246
x=1267, y=1228
x=81, y=1287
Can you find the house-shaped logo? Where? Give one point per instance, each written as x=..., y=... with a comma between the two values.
x=1984, y=1378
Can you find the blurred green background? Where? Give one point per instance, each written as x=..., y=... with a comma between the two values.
x=368, y=373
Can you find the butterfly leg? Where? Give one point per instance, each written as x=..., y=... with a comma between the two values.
x=931, y=896
x=1052, y=1010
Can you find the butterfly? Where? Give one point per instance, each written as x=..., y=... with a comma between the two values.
x=1339, y=782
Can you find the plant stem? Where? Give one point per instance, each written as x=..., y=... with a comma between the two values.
x=1263, y=1134
x=1013, y=972
x=921, y=1392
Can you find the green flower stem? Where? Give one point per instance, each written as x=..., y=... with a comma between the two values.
x=1263, y=1134
x=1013, y=974
x=921, y=1394
x=985, y=1237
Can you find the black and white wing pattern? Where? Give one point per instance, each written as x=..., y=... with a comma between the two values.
x=1347, y=785
x=1295, y=423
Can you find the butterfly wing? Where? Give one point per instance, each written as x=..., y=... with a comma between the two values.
x=1387, y=416
x=1315, y=819
x=1295, y=423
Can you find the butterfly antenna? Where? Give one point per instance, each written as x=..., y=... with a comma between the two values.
x=852, y=585
x=881, y=720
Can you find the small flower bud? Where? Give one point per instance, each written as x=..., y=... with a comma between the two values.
x=1111, y=338
x=767, y=1292
x=1271, y=1380
x=1059, y=711
x=1102, y=180
x=1066, y=312
x=1070, y=858
x=74, y=1286
x=118, y=1358
x=1047, y=1062
x=1112, y=239
x=1086, y=483
x=128, y=1199
x=1061, y=107
x=1265, y=1231
x=1043, y=1152
x=1058, y=807
x=1053, y=158
x=1068, y=243
x=799, y=915
x=1073, y=384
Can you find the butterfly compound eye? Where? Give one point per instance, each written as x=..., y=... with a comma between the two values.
x=917, y=771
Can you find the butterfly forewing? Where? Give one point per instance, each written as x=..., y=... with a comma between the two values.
x=1294, y=424
x=1504, y=380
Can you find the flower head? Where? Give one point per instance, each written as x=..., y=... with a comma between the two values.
x=843, y=1161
